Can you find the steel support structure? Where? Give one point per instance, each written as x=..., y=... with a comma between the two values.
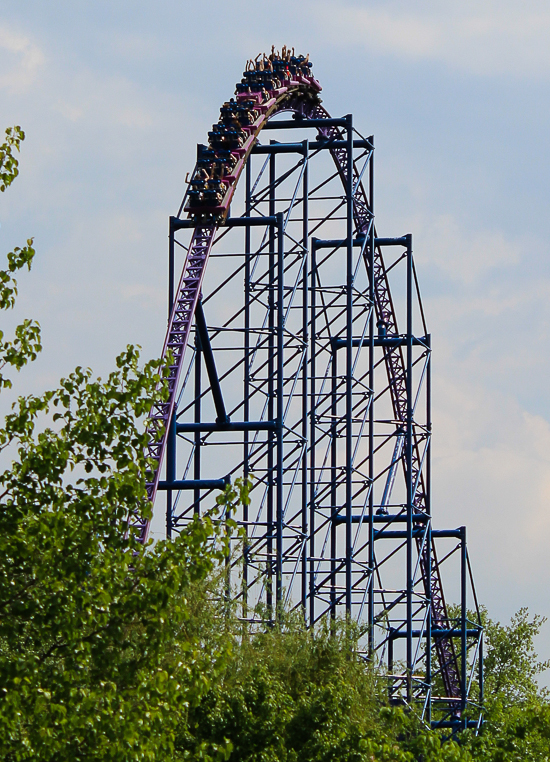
x=306, y=366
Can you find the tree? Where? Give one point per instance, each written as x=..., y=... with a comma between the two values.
x=96, y=652
x=511, y=662
x=516, y=708
x=288, y=693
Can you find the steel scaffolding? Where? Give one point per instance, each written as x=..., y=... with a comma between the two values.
x=303, y=361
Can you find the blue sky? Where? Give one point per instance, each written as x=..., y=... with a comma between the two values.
x=114, y=97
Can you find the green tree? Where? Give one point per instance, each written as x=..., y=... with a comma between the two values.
x=97, y=656
x=512, y=666
x=288, y=693
x=87, y=617
x=516, y=708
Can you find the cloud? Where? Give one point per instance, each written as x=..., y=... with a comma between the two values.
x=85, y=96
x=483, y=38
x=150, y=295
x=20, y=59
x=462, y=255
x=492, y=472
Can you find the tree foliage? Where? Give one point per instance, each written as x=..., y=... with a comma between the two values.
x=516, y=708
x=511, y=664
x=27, y=343
x=9, y=165
x=96, y=655
x=87, y=618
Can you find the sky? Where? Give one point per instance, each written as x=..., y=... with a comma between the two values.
x=113, y=97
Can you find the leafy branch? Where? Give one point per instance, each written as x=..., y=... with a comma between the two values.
x=9, y=166
x=27, y=343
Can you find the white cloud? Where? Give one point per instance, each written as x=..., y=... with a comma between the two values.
x=462, y=255
x=492, y=473
x=112, y=100
x=483, y=38
x=20, y=59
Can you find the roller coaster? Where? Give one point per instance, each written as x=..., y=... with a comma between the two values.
x=300, y=358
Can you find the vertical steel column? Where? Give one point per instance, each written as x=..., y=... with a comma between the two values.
x=271, y=391
x=197, y=418
x=305, y=369
x=171, y=443
x=279, y=487
x=312, y=432
x=391, y=639
x=408, y=461
x=481, y=671
x=463, y=620
x=333, y=477
x=171, y=265
x=246, y=390
x=428, y=541
x=349, y=355
x=371, y=558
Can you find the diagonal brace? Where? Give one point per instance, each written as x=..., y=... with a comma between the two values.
x=206, y=346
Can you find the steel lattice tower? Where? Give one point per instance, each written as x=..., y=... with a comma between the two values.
x=302, y=359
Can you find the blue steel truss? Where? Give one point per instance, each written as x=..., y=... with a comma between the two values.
x=309, y=370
